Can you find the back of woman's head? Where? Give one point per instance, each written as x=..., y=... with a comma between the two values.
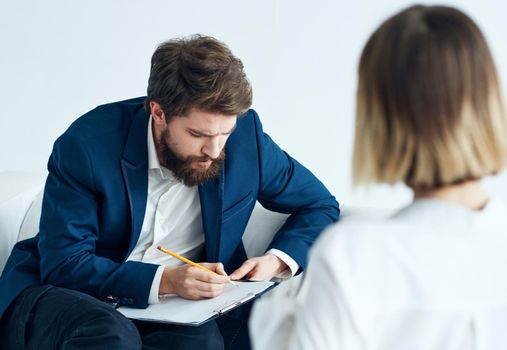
x=429, y=108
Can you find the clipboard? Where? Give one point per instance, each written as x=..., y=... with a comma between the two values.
x=176, y=310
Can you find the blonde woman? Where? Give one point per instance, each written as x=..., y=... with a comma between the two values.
x=434, y=275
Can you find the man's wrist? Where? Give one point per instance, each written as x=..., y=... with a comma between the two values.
x=165, y=282
x=279, y=263
x=288, y=260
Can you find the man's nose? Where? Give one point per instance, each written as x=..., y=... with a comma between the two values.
x=212, y=147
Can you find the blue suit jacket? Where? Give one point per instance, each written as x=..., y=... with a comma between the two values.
x=95, y=199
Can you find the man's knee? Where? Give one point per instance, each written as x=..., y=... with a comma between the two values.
x=102, y=326
x=68, y=319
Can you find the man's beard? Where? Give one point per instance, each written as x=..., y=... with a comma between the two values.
x=182, y=168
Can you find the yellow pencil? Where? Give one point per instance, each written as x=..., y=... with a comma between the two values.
x=190, y=262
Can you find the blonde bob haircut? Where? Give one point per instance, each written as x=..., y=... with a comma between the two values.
x=429, y=109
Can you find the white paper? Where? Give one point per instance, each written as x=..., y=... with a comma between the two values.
x=173, y=309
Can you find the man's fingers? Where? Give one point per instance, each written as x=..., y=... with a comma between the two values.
x=206, y=276
x=204, y=289
x=256, y=275
x=209, y=290
x=242, y=270
x=219, y=268
x=215, y=267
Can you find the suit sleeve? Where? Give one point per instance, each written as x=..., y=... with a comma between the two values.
x=288, y=187
x=69, y=229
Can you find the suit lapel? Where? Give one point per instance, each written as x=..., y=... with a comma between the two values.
x=134, y=167
x=211, y=197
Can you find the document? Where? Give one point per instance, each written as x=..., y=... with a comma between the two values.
x=174, y=309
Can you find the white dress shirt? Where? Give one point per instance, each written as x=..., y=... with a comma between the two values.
x=173, y=220
x=433, y=276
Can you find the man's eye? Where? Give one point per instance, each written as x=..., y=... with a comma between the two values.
x=195, y=135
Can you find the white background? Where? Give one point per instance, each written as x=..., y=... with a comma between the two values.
x=59, y=59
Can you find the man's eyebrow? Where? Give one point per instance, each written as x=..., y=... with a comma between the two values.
x=205, y=134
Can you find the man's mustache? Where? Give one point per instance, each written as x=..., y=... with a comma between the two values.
x=220, y=158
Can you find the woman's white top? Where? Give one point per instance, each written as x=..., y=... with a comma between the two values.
x=433, y=276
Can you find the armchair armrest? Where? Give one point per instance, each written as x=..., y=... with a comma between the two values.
x=17, y=193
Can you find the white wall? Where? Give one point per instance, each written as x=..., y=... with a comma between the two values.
x=61, y=58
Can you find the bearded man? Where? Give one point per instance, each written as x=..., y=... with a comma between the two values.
x=182, y=168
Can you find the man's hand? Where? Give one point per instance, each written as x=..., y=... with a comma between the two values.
x=262, y=268
x=190, y=282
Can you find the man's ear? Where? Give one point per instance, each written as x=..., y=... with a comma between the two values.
x=157, y=113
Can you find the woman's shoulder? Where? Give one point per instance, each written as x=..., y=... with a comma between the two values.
x=362, y=232
x=362, y=246
x=420, y=256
